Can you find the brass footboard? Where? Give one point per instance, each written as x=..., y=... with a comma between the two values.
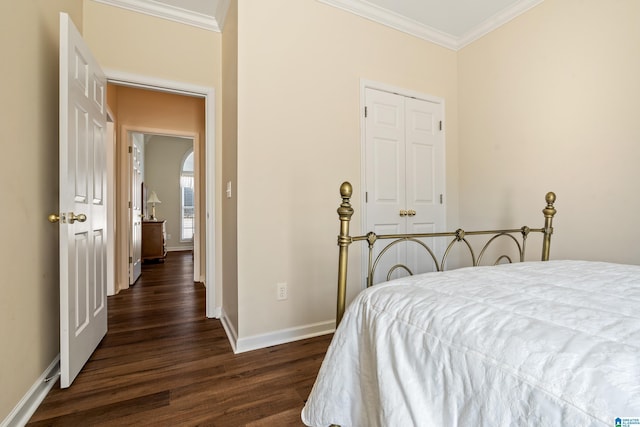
x=517, y=236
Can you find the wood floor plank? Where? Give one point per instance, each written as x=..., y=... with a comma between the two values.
x=163, y=363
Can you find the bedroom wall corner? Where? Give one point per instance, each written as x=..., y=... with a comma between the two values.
x=29, y=307
x=549, y=102
x=229, y=204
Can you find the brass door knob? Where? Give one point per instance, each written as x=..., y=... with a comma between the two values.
x=53, y=218
x=411, y=212
x=80, y=218
x=403, y=212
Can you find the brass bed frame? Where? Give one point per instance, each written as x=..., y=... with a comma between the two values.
x=345, y=211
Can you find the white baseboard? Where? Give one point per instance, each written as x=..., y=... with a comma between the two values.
x=284, y=336
x=232, y=335
x=179, y=248
x=27, y=406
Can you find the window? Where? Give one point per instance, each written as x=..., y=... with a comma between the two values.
x=187, y=199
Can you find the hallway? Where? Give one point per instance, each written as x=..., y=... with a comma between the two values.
x=163, y=363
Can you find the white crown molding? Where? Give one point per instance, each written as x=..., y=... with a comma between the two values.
x=496, y=21
x=383, y=16
x=221, y=13
x=172, y=13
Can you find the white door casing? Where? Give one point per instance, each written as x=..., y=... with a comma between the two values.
x=213, y=309
x=110, y=141
x=136, y=156
x=404, y=171
x=83, y=254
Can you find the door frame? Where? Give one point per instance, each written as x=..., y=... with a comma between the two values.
x=208, y=94
x=126, y=189
x=371, y=84
x=111, y=203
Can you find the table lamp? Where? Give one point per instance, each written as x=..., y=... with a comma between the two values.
x=153, y=199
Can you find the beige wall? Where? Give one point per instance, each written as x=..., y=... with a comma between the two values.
x=29, y=307
x=128, y=41
x=163, y=157
x=229, y=236
x=299, y=70
x=550, y=102
x=134, y=43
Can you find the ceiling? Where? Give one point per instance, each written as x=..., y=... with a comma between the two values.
x=449, y=23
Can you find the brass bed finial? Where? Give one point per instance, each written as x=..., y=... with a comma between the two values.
x=549, y=211
x=345, y=212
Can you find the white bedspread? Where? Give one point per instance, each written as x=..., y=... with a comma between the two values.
x=530, y=344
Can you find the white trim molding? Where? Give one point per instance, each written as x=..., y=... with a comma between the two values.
x=284, y=336
x=27, y=406
x=496, y=21
x=227, y=325
x=174, y=13
x=391, y=19
x=179, y=248
x=399, y=22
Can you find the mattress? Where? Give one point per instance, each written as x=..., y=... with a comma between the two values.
x=552, y=343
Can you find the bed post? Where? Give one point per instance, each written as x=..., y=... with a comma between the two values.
x=345, y=211
x=548, y=212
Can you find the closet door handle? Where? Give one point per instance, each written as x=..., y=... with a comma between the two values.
x=403, y=212
x=411, y=212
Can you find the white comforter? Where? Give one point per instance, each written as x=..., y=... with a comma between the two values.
x=530, y=344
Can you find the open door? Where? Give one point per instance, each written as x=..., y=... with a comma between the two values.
x=83, y=214
x=137, y=176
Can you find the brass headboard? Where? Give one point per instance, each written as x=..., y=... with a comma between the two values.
x=345, y=211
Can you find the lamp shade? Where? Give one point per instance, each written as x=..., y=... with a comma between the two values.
x=153, y=198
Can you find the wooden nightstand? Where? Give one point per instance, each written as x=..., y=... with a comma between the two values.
x=154, y=245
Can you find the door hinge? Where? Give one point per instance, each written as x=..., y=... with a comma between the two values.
x=130, y=149
x=440, y=124
x=129, y=205
x=441, y=199
x=130, y=260
x=366, y=197
x=365, y=112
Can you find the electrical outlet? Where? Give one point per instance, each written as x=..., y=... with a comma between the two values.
x=282, y=291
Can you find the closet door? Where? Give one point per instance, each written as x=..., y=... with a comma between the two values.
x=424, y=177
x=385, y=172
x=404, y=162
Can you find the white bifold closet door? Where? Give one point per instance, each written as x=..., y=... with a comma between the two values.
x=404, y=161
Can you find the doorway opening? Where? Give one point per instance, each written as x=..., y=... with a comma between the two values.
x=163, y=111
x=164, y=182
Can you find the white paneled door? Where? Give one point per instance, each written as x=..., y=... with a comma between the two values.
x=404, y=174
x=82, y=218
x=137, y=176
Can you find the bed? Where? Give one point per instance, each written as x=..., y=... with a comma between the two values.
x=526, y=343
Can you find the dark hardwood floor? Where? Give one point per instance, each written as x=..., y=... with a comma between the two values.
x=162, y=363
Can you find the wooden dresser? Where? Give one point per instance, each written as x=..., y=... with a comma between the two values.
x=154, y=246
